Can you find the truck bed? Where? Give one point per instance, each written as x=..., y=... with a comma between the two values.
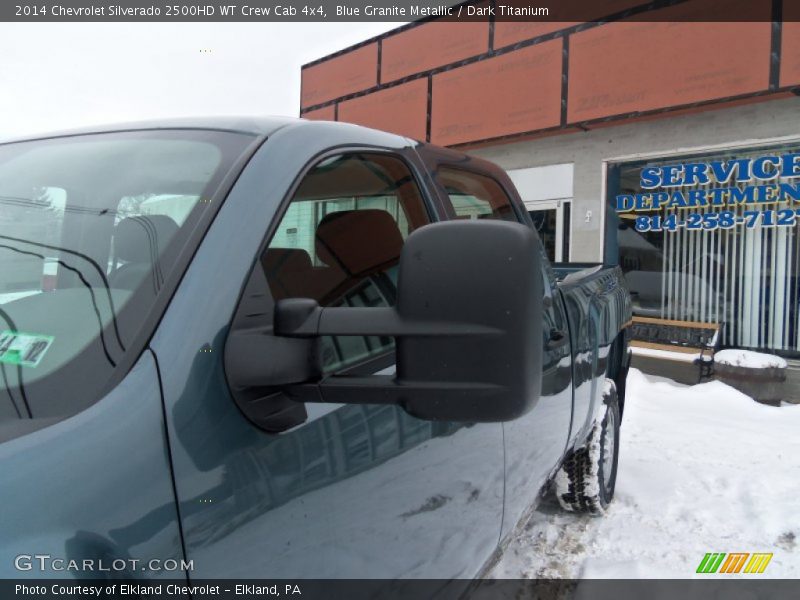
x=598, y=309
x=569, y=272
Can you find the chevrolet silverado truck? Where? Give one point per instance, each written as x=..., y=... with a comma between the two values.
x=278, y=348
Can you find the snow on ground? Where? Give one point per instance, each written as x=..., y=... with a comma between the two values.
x=702, y=469
x=749, y=359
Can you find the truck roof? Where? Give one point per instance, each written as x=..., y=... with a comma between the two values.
x=256, y=125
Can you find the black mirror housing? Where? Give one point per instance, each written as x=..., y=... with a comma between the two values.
x=467, y=323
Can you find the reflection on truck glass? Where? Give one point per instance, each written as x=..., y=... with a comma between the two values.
x=91, y=228
x=339, y=243
x=474, y=196
x=695, y=267
x=544, y=221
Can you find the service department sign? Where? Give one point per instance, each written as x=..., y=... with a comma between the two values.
x=716, y=190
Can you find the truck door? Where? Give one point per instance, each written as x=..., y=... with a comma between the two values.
x=536, y=441
x=351, y=490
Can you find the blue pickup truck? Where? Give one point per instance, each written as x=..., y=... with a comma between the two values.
x=276, y=348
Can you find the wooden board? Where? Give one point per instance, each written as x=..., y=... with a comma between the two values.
x=695, y=324
x=353, y=71
x=401, y=109
x=664, y=347
x=431, y=45
x=679, y=58
x=507, y=94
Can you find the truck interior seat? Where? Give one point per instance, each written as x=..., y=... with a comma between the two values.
x=139, y=245
x=288, y=271
x=353, y=245
x=360, y=244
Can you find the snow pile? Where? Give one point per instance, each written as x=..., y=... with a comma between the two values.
x=702, y=469
x=749, y=359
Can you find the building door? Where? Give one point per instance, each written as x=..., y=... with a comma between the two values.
x=547, y=193
x=552, y=221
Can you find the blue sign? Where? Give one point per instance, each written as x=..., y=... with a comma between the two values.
x=748, y=182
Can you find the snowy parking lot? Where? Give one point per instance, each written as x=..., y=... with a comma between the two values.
x=702, y=469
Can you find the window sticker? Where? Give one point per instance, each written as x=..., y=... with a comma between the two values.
x=24, y=349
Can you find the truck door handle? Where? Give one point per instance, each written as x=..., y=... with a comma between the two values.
x=558, y=338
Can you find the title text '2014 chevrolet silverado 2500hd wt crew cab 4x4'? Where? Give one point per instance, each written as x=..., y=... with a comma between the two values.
x=280, y=348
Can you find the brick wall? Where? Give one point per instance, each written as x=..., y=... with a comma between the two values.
x=466, y=83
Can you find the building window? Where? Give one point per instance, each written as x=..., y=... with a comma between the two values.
x=547, y=193
x=713, y=238
x=552, y=221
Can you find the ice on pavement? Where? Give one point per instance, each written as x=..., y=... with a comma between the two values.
x=702, y=469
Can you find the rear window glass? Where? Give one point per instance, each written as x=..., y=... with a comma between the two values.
x=475, y=196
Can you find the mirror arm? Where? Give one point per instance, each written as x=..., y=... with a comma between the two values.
x=304, y=318
x=467, y=325
x=385, y=389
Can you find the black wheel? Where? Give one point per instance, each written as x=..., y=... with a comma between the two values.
x=586, y=480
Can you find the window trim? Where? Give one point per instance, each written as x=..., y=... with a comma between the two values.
x=378, y=361
x=336, y=151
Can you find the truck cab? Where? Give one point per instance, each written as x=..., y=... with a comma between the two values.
x=277, y=348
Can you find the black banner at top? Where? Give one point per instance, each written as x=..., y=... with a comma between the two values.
x=527, y=11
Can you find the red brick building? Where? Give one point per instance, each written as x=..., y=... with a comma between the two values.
x=575, y=110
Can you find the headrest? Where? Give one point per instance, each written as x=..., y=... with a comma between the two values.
x=283, y=260
x=143, y=239
x=359, y=241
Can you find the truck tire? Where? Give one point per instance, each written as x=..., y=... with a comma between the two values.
x=586, y=480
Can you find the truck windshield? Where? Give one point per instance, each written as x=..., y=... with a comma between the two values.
x=92, y=231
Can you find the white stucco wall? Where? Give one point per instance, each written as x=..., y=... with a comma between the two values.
x=748, y=125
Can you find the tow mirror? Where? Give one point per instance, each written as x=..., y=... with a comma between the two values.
x=467, y=323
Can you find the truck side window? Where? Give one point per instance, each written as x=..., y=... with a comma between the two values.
x=475, y=196
x=340, y=239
